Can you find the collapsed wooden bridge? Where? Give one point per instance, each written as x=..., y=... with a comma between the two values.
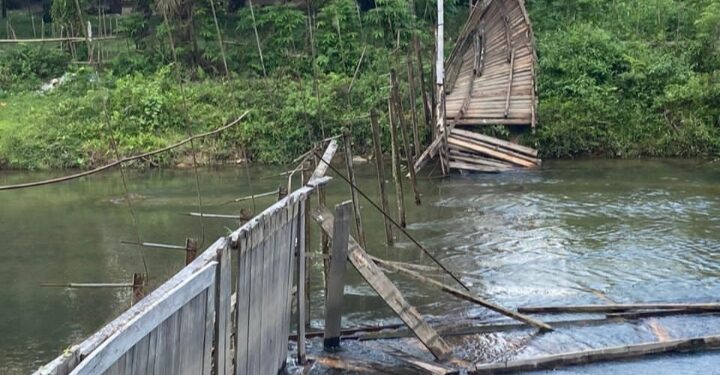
x=490, y=80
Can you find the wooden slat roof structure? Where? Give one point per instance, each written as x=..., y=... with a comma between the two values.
x=490, y=72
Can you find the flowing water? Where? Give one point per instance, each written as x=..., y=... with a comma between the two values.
x=572, y=232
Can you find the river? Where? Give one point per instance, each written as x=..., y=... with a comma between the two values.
x=572, y=232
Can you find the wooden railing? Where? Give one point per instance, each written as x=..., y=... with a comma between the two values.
x=185, y=326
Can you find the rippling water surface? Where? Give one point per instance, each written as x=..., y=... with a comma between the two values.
x=573, y=232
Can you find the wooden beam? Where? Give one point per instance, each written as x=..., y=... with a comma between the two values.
x=336, y=277
x=618, y=308
x=509, y=85
x=602, y=354
x=498, y=142
x=472, y=146
x=464, y=295
x=321, y=168
x=388, y=291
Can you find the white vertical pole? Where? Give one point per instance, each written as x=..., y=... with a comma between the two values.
x=439, y=81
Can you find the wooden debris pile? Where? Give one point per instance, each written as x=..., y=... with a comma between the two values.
x=477, y=152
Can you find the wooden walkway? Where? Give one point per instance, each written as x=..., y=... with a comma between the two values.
x=490, y=80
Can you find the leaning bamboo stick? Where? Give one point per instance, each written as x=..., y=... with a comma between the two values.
x=377, y=150
x=395, y=153
x=464, y=295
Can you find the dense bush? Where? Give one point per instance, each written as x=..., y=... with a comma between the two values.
x=24, y=66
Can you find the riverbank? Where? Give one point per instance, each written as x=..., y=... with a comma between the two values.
x=614, y=80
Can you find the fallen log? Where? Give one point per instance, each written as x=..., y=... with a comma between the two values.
x=602, y=354
x=617, y=308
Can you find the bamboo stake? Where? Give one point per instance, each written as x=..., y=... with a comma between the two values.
x=220, y=40
x=355, y=199
x=400, y=116
x=421, y=73
x=602, y=354
x=257, y=38
x=380, y=167
x=413, y=104
x=396, y=172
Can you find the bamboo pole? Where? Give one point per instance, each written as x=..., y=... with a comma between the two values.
x=396, y=172
x=413, y=104
x=465, y=295
x=713, y=306
x=602, y=354
x=380, y=167
x=421, y=74
x=400, y=116
x=355, y=199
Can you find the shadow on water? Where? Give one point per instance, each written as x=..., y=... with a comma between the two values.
x=573, y=232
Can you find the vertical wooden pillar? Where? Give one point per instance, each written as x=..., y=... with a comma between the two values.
x=381, y=174
x=440, y=83
x=138, y=288
x=354, y=194
x=396, y=172
x=191, y=249
x=336, y=279
x=324, y=239
x=301, y=301
x=421, y=74
x=413, y=105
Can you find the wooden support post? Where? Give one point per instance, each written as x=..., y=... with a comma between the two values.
x=191, y=249
x=336, y=279
x=282, y=192
x=396, y=172
x=355, y=199
x=301, y=292
x=324, y=239
x=421, y=73
x=440, y=83
x=381, y=175
x=138, y=288
x=388, y=291
x=305, y=239
x=413, y=104
x=404, y=132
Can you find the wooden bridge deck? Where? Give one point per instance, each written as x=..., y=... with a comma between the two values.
x=490, y=73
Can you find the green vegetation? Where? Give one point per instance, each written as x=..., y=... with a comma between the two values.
x=617, y=78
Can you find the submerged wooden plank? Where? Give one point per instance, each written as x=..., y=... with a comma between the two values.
x=387, y=291
x=489, y=151
x=602, y=354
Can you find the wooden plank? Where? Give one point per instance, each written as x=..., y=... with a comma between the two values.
x=380, y=168
x=116, y=345
x=191, y=341
x=302, y=359
x=256, y=289
x=353, y=192
x=267, y=361
x=618, y=308
x=476, y=159
x=388, y=291
x=209, y=340
x=499, y=149
x=509, y=85
x=336, y=278
x=498, y=142
x=322, y=168
x=602, y=354
x=140, y=356
x=243, y=304
x=489, y=151
x=223, y=325
x=456, y=164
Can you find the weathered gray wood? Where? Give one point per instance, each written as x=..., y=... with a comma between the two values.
x=321, y=168
x=223, y=325
x=396, y=171
x=498, y=142
x=209, y=343
x=190, y=344
x=244, y=292
x=109, y=351
x=336, y=279
x=256, y=289
x=388, y=291
x=301, y=286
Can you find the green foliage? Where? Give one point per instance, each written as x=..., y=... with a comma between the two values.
x=26, y=65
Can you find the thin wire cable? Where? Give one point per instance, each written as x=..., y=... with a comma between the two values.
x=188, y=129
x=405, y=232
